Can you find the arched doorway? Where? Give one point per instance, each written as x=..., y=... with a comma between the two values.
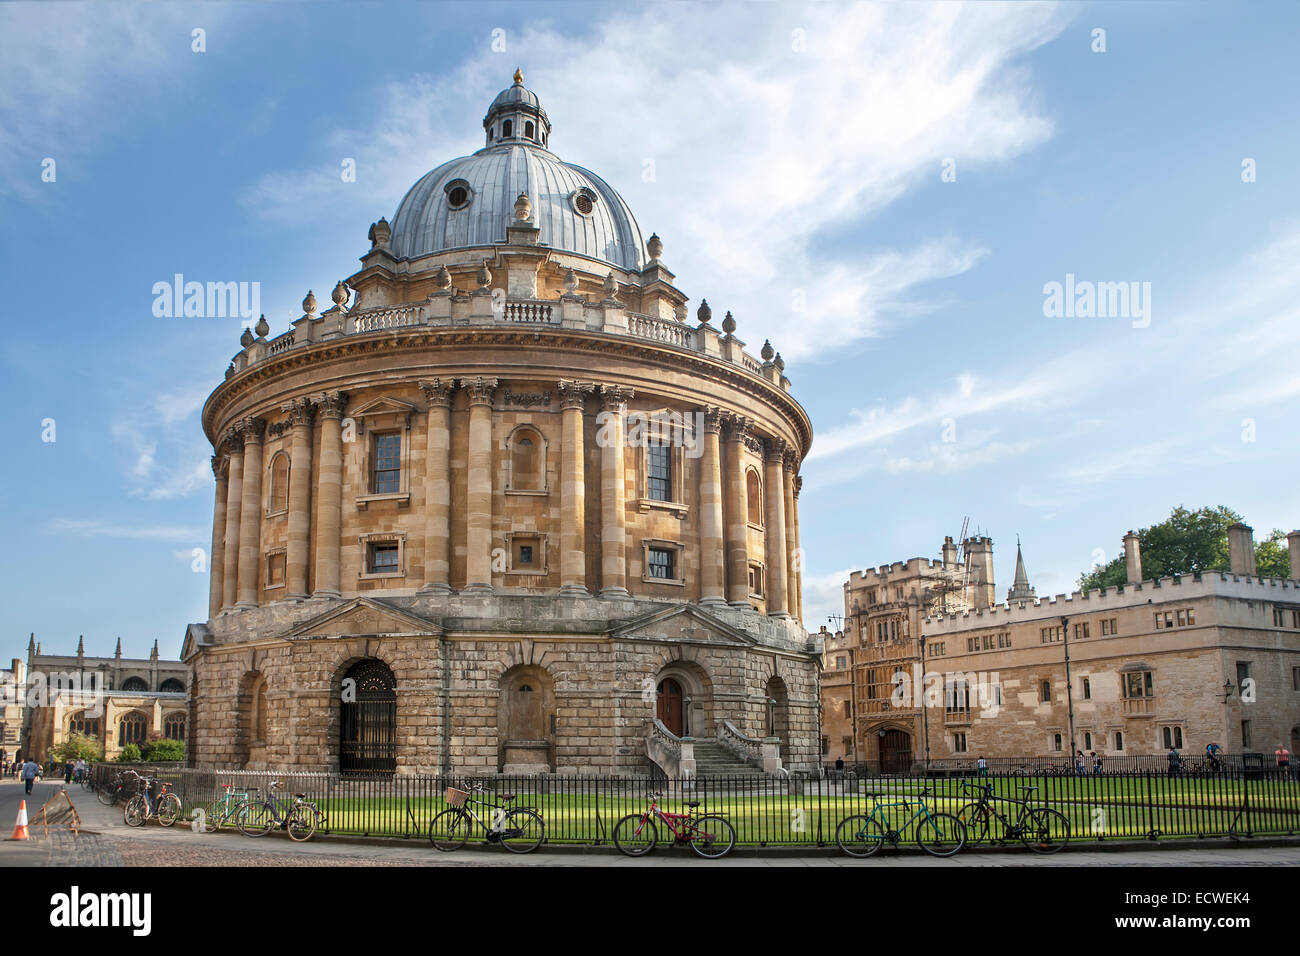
x=1295, y=742
x=669, y=706
x=895, y=751
x=368, y=720
x=778, y=721
x=525, y=720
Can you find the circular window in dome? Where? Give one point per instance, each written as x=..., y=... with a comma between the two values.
x=584, y=200
x=458, y=194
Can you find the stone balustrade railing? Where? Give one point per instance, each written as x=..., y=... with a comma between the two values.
x=674, y=755
x=568, y=313
x=765, y=752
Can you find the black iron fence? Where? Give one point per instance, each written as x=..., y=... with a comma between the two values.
x=779, y=810
x=1062, y=765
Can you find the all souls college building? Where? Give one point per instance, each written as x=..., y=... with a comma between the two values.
x=502, y=507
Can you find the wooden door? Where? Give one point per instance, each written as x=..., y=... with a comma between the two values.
x=669, y=706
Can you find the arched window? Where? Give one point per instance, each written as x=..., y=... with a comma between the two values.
x=83, y=724
x=172, y=685
x=368, y=720
x=174, y=726
x=277, y=494
x=131, y=729
x=753, y=497
x=527, y=460
x=507, y=128
x=1045, y=692
x=528, y=130
x=135, y=685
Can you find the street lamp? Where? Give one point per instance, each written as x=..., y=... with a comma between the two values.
x=1069, y=684
x=1226, y=696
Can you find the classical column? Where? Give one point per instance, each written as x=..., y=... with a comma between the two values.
x=573, y=489
x=613, y=493
x=775, y=531
x=217, y=556
x=234, y=498
x=300, y=412
x=737, y=517
x=437, y=486
x=797, y=485
x=329, y=495
x=250, y=511
x=712, y=546
x=478, y=500
x=789, y=462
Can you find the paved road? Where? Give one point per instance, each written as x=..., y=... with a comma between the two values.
x=115, y=844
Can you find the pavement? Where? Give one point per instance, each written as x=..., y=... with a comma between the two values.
x=106, y=841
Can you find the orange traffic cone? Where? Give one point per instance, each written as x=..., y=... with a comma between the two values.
x=20, y=828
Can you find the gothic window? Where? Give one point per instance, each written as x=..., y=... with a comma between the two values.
x=174, y=727
x=131, y=729
x=172, y=685
x=82, y=724
x=135, y=685
x=754, y=497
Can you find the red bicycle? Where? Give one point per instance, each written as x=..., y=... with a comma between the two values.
x=711, y=836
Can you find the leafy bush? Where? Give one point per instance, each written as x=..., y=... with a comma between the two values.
x=130, y=754
x=79, y=747
x=161, y=751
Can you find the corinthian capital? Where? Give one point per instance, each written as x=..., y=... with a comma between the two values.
x=220, y=463
x=437, y=392
x=331, y=404
x=713, y=417
x=614, y=397
x=774, y=450
x=252, y=428
x=480, y=389
x=300, y=411
x=574, y=394
x=233, y=441
x=737, y=427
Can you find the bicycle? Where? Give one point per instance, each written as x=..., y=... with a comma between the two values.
x=113, y=791
x=225, y=808
x=939, y=834
x=711, y=836
x=1041, y=829
x=299, y=820
x=142, y=806
x=518, y=829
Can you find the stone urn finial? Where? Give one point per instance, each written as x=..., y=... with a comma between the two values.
x=767, y=350
x=262, y=327
x=246, y=338
x=309, y=304
x=484, y=275
x=442, y=278
x=654, y=246
x=570, y=282
x=779, y=362
x=380, y=233
x=704, y=313
x=728, y=323
x=523, y=208
x=340, y=294
x=611, y=286
x=230, y=369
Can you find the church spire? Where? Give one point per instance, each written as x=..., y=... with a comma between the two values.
x=1020, y=589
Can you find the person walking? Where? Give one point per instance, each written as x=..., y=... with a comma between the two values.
x=1175, y=761
x=79, y=774
x=68, y=767
x=1283, y=761
x=983, y=766
x=1212, y=751
x=31, y=770
x=839, y=767
x=1078, y=763
x=1096, y=763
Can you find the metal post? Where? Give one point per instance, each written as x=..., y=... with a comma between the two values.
x=1069, y=685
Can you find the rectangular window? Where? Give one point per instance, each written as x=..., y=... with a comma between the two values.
x=1087, y=690
x=661, y=563
x=1138, y=684
x=382, y=559
x=387, y=475
x=1119, y=740
x=959, y=743
x=1191, y=616
x=1173, y=737
x=1295, y=678
x=659, y=484
x=1279, y=617
x=1182, y=618
x=1246, y=741
x=755, y=580
x=275, y=569
x=956, y=698
x=841, y=663
x=1295, y=618
x=1087, y=741
x=997, y=694
x=1056, y=742
x=1243, y=673
x=1081, y=631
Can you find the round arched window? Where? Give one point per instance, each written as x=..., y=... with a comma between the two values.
x=584, y=205
x=458, y=194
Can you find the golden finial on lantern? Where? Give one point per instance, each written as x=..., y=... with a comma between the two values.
x=519, y=77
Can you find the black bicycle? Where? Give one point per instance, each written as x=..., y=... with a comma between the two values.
x=300, y=818
x=1041, y=829
x=123, y=785
x=517, y=829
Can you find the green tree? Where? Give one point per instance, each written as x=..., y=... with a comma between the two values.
x=129, y=754
x=1187, y=542
x=79, y=747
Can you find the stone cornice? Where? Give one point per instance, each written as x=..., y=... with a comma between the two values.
x=426, y=338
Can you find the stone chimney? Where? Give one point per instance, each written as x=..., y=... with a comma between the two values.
x=1241, y=549
x=1133, y=558
x=979, y=551
x=1293, y=546
x=950, y=553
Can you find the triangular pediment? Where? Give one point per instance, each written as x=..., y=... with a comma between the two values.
x=382, y=406
x=364, y=617
x=685, y=622
x=197, y=637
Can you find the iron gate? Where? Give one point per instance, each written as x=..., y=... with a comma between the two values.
x=368, y=720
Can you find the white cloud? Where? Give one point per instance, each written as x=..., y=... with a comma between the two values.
x=101, y=529
x=759, y=150
x=823, y=595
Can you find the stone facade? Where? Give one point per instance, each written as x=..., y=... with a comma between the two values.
x=498, y=456
x=1183, y=661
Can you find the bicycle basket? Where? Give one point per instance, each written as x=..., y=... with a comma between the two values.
x=455, y=798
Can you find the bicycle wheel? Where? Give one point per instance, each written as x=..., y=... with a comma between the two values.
x=135, y=812
x=214, y=816
x=941, y=834
x=522, y=831
x=169, y=809
x=302, y=823
x=1046, y=831
x=107, y=794
x=450, y=829
x=255, y=820
x=712, y=837
x=976, y=818
x=860, y=836
x=635, y=835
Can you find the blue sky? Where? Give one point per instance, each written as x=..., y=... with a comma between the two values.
x=797, y=154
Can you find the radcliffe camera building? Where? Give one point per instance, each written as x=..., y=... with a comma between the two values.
x=1177, y=662
x=503, y=506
